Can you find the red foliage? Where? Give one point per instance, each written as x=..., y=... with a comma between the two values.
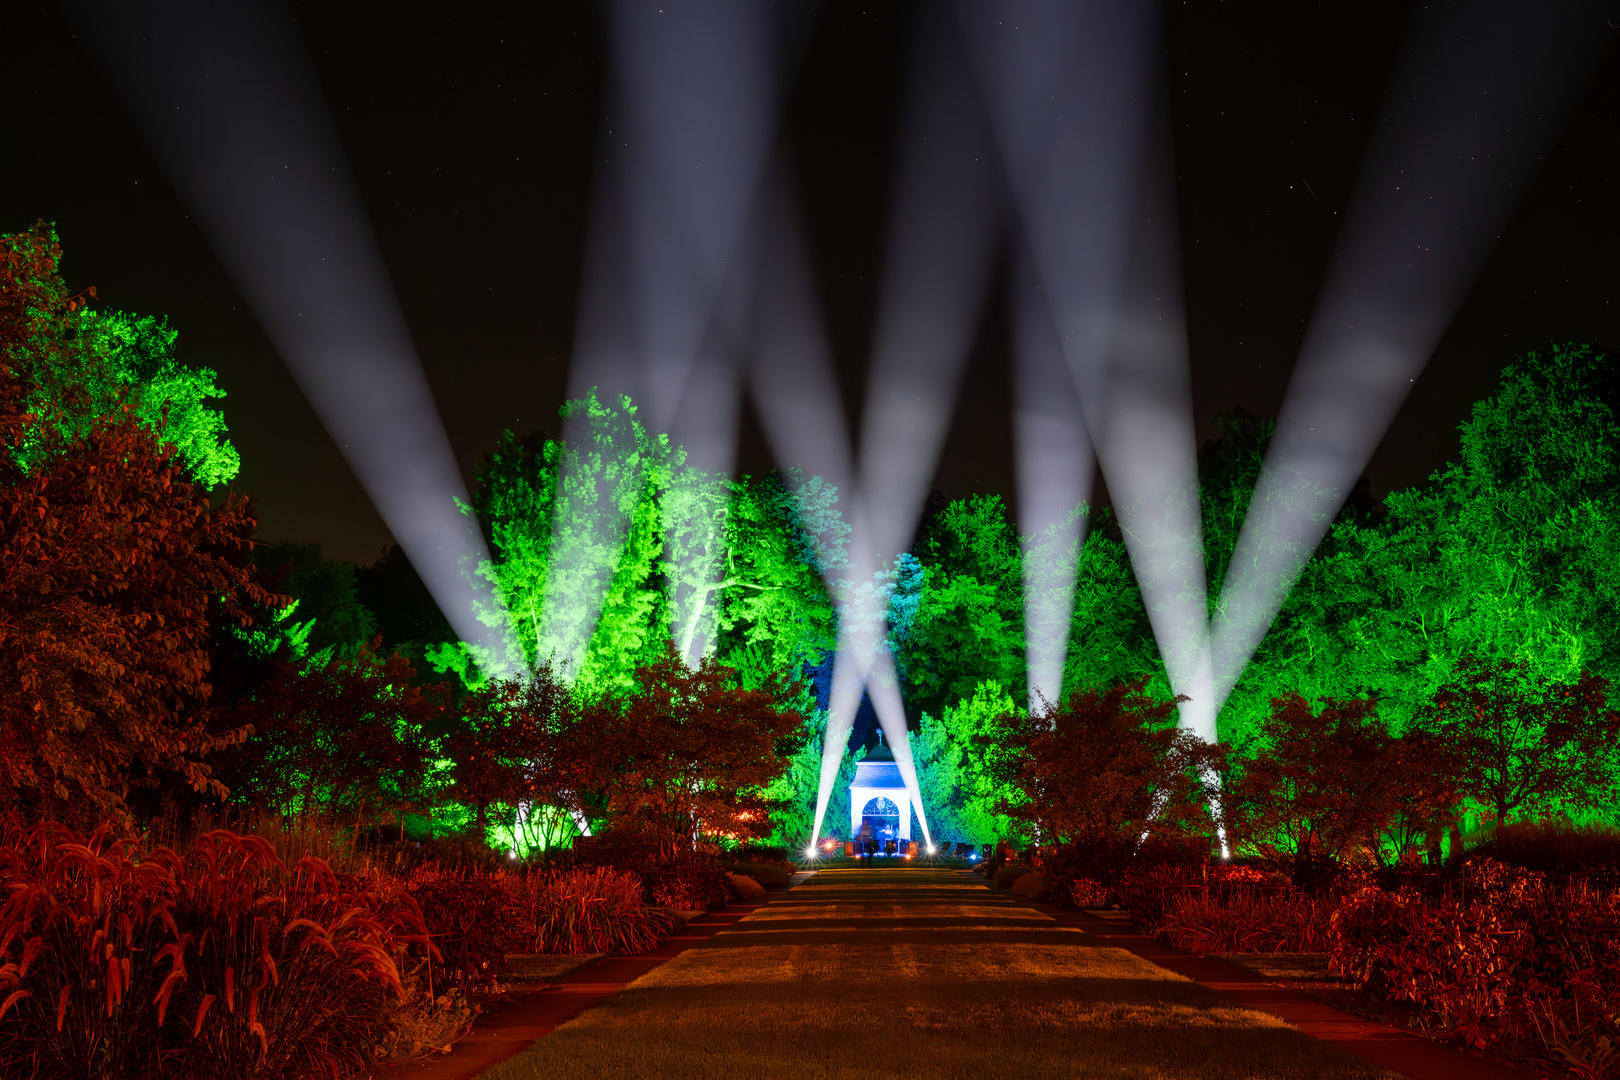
x=594, y=910
x=1503, y=958
x=1525, y=743
x=1320, y=788
x=116, y=961
x=684, y=756
x=509, y=745
x=110, y=563
x=1106, y=767
x=475, y=917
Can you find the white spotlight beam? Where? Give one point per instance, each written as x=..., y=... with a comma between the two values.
x=1076, y=95
x=1479, y=96
x=1054, y=479
x=226, y=98
x=694, y=97
x=790, y=369
x=941, y=245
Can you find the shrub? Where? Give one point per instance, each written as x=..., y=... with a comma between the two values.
x=688, y=881
x=475, y=917
x=114, y=961
x=746, y=887
x=1009, y=874
x=1031, y=885
x=1246, y=921
x=594, y=910
x=1082, y=893
x=688, y=884
x=1501, y=958
x=421, y=1024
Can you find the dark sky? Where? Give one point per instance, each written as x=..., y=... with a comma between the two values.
x=470, y=130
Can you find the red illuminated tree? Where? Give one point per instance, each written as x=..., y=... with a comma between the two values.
x=505, y=747
x=686, y=754
x=112, y=566
x=1105, y=768
x=1527, y=743
x=1321, y=785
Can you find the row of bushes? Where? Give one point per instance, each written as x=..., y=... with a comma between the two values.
x=118, y=957
x=1523, y=963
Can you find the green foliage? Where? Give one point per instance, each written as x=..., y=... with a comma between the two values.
x=327, y=597
x=792, y=795
x=1508, y=554
x=960, y=768
x=1110, y=638
x=107, y=361
x=967, y=622
x=168, y=395
x=607, y=545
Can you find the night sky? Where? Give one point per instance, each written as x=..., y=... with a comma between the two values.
x=471, y=132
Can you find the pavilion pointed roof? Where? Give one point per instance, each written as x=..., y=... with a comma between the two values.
x=877, y=769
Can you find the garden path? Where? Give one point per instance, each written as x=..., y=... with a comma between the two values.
x=918, y=972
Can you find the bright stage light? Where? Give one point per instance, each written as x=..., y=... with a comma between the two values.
x=940, y=250
x=1076, y=100
x=1479, y=96
x=225, y=97
x=1054, y=479
x=692, y=111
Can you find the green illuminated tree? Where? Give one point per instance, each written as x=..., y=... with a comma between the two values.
x=1110, y=638
x=792, y=795
x=607, y=546
x=168, y=395
x=962, y=767
x=576, y=537
x=106, y=361
x=784, y=535
x=968, y=622
x=326, y=593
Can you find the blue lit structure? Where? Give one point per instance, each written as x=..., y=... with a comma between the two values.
x=879, y=797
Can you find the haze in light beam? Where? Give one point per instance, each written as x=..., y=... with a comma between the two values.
x=945, y=225
x=227, y=99
x=1076, y=93
x=1054, y=480
x=693, y=104
x=1480, y=94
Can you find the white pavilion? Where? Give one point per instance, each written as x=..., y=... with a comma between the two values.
x=878, y=794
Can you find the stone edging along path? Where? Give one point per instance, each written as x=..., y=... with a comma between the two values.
x=513, y=1024
x=1380, y=1043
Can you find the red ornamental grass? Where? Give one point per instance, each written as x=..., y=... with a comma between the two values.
x=227, y=963
x=594, y=910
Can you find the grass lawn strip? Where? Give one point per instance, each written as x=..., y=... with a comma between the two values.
x=906, y=973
